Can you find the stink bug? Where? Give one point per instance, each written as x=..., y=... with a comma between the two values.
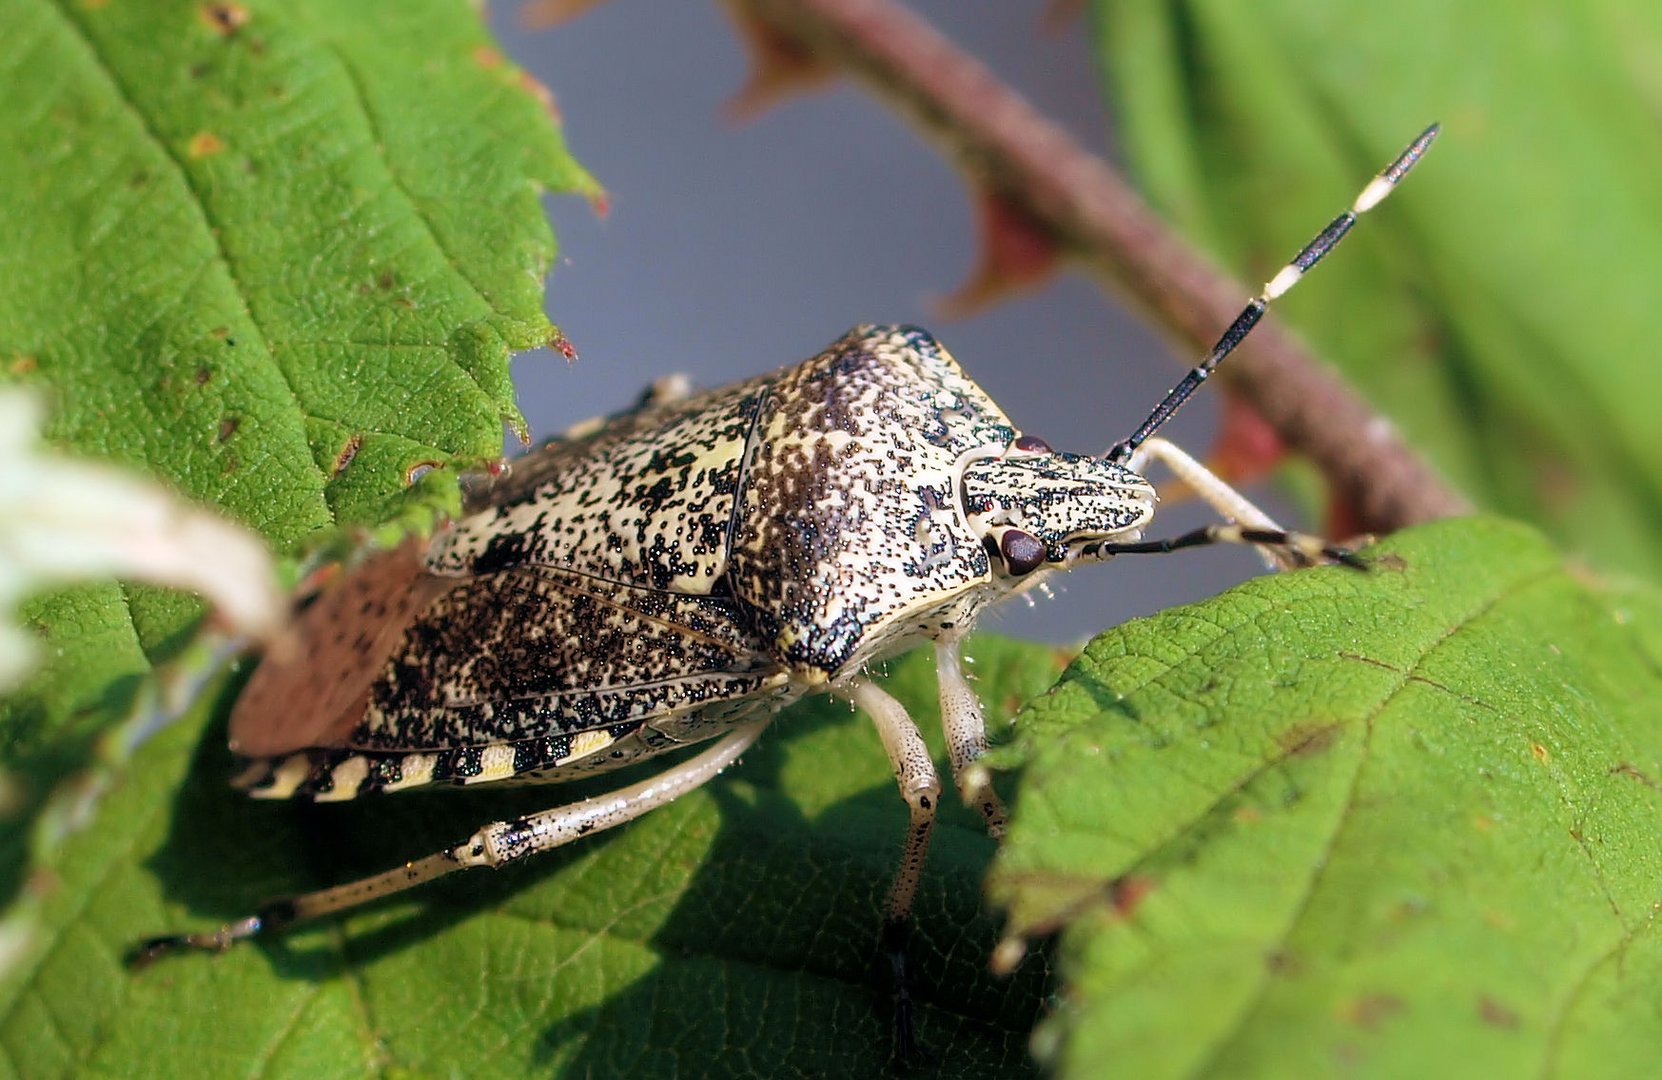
x=677, y=574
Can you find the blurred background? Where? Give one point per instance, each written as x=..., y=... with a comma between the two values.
x=732, y=248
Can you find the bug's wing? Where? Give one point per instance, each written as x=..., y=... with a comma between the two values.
x=313, y=684
x=528, y=672
x=538, y=650
x=644, y=500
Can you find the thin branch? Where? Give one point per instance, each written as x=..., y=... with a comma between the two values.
x=1092, y=213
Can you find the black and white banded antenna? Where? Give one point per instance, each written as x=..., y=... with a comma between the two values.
x=1289, y=275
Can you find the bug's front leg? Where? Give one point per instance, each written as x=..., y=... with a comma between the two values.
x=1280, y=549
x=493, y=846
x=920, y=786
x=1213, y=490
x=965, y=725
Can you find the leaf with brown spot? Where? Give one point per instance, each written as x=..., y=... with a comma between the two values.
x=192, y=194
x=1370, y=799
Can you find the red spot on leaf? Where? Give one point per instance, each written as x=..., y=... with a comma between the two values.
x=1307, y=739
x=347, y=453
x=224, y=19
x=1283, y=962
x=1495, y=1014
x=1371, y=1010
x=204, y=144
x=542, y=95
x=1126, y=894
x=562, y=345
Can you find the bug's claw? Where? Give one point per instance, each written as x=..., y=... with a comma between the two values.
x=150, y=950
x=1345, y=557
x=907, y=1049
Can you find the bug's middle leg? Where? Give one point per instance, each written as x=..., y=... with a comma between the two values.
x=920, y=786
x=965, y=725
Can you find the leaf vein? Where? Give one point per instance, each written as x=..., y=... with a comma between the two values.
x=361, y=98
x=1344, y=818
x=197, y=198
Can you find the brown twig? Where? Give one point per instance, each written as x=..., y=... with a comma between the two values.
x=1007, y=147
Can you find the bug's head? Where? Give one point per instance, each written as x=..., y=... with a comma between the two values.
x=1033, y=507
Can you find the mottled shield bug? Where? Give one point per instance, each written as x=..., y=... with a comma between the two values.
x=675, y=575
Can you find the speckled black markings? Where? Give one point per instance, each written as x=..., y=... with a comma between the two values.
x=692, y=564
x=679, y=572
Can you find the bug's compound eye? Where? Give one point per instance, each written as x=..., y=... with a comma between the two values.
x=1022, y=552
x=1031, y=444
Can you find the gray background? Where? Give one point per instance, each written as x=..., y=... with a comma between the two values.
x=732, y=250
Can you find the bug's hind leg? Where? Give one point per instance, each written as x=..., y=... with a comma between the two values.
x=920, y=786
x=493, y=846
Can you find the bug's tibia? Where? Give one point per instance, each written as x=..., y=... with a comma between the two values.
x=920, y=786
x=1211, y=488
x=1308, y=256
x=965, y=725
x=1310, y=548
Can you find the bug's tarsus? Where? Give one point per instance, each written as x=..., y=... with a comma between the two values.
x=1289, y=275
x=1302, y=545
x=896, y=942
x=150, y=950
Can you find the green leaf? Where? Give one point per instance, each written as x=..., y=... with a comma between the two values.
x=276, y=254
x=732, y=932
x=1377, y=823
x=1499, y=307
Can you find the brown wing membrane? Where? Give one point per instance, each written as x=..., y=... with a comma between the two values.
x=312, y=688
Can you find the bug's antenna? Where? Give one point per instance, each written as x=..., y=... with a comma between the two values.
x=1289, y=275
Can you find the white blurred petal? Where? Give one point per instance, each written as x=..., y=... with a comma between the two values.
x=63, y=520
